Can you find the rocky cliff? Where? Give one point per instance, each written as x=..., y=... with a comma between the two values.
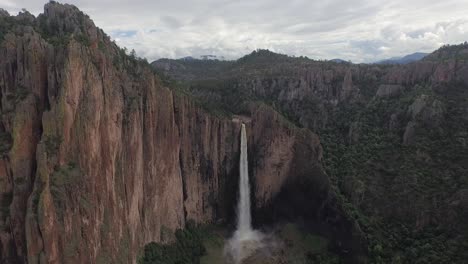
x=99, y=157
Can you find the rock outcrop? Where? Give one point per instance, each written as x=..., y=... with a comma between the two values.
x=388, y=90
x=429, y=110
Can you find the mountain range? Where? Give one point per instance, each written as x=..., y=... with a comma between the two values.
x=405, y=59
x=394, y=60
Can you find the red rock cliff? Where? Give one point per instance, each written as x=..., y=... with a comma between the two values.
x=98, y=158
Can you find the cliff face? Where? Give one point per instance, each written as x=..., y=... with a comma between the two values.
x=310, y=91
x=99, y=158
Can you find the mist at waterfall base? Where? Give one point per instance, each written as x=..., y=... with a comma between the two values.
x=246, y=241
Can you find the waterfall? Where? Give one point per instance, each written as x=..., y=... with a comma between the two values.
x=244, y=226
x=246, y=241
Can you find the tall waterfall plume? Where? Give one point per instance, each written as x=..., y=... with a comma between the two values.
x=246, y=241
x=244, y=225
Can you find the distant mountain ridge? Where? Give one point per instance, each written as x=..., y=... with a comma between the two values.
x=446, y=51
x=405, y=59
x=203, y=57
x=417, y=56
x=190, y=68
x=337, y=60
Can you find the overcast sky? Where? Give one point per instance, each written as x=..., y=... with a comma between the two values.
x=357, y=30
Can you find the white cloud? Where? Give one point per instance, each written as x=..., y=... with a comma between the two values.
x=357, y=30
x=7, y=4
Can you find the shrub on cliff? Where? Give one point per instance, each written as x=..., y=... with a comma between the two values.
x=186, y=249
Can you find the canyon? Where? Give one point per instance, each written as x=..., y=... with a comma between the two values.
x=100, y=158
x=393, y=137
x=103, y=153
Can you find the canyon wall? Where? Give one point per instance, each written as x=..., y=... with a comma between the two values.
x=99, y=158
x=309, y=91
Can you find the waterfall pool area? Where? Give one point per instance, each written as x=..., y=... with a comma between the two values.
x=283, y=244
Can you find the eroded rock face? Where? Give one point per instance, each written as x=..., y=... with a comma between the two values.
x=104, y=159
x=410, y=130
x=24, y=75
x=388, y=90
x=354, y=132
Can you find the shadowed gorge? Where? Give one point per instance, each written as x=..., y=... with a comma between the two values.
x=106, y=158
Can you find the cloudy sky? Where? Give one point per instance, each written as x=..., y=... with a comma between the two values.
x=357, y=30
